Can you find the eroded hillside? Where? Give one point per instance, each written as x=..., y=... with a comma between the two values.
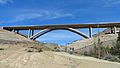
x=87, y=45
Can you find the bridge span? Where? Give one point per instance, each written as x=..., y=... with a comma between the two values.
x=71, y=27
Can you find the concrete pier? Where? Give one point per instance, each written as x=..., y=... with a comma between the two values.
x=90, y=32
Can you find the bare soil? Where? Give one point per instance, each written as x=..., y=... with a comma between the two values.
x=17, y=57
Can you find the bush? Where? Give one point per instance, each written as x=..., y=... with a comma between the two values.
x=71, y=52
x=34, y=49
x=40, y=50
x=30, y=50
x=116, y=49
x=1, y=48
x=110, y=57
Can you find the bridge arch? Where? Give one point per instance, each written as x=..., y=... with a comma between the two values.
x=49, y=29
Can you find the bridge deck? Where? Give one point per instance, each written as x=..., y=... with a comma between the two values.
x=103, y=25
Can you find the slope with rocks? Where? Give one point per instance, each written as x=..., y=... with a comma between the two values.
x=86, y=45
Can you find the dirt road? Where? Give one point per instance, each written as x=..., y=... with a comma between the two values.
x=47, y=59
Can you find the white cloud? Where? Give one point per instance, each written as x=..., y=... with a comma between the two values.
x=5, y=1
x=33, y=14
x=22, y=17
x=108, y=3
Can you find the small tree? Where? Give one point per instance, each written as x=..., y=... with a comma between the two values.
x=102, y=50
x=116, y=49
x=98, y=49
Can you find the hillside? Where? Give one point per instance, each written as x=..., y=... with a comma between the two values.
x=13, y=54
x=87, y=45
x=11, y=39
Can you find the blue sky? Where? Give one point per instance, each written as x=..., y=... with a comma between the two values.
x=44, y=12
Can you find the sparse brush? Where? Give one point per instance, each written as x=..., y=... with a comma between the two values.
x=40, y=50
x=29, y=51
x=1, y=48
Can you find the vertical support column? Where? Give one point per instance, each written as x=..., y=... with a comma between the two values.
x=90, y=32
x=32, y=32
x=29, y=33
x=111, y=30
x=17, y=31
x=119, y=34
x=115, y=31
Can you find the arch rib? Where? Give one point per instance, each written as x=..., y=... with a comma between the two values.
x=39, y=34
x=78, y=32
x=42, y=32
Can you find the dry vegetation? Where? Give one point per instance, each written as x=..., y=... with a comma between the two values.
x=102, y=46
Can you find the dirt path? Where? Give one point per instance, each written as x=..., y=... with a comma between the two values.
x=88, y=62
x=22, y=59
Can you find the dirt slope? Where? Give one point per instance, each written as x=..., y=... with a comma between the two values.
x=10, y=36
x=87, y=45
x=86, y=42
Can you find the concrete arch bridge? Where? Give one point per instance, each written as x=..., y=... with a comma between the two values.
x=70, y=27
